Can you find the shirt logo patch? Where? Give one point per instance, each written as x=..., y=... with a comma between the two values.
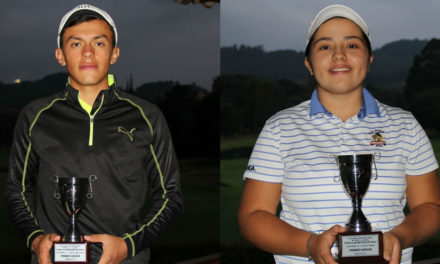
x=376, y=138
x=126, y=132
x=250, y=168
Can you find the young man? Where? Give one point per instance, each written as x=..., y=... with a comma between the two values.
x=93, y=128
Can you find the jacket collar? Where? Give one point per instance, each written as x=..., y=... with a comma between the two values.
x=107, y=95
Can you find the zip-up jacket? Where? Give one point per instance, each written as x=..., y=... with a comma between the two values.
x=124, y=142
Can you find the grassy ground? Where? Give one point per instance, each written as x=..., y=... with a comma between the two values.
x=195, y=234
x=235, y=154
x=235, y=249
x=231, y=183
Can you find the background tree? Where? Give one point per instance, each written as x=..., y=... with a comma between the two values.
x=422, y=91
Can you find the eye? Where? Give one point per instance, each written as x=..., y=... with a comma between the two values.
x=99, y=44
x=353, y=46
x=75, y=44
x=324, y=47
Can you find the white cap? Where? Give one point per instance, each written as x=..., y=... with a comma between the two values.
x=101, y=12
x=336, y=11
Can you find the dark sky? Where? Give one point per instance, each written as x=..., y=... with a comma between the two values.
x=159, y=39
x=283, y=24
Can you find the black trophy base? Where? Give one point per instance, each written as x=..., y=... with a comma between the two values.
x=71, y=253
x=360, y=248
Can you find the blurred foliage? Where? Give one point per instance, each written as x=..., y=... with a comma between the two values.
x=273, y=65
x=248, y=101
x=422, y=91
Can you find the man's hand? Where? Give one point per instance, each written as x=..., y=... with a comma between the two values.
x=41, y=247
x=114, y=248
x=392, y=248
x=320, y=245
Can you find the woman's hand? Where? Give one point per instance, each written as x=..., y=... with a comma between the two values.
x=392, y=247
x=320, y=245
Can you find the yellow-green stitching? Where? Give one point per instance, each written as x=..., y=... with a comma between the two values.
x=29, y=237
x=160, y=171
x=163, y=196
x=140, y=110
x=44, y=109
x=133, y=252
x=156, y=162
x=158, y=213
x=152, y=220
x=23, y=185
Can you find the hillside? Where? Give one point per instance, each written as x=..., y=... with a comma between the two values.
x=389, y=69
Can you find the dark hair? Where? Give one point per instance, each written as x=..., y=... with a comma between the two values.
x=364, y=36
x=84, y=16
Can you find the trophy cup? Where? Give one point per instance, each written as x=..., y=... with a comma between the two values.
x=359, y=244
x=73, y=193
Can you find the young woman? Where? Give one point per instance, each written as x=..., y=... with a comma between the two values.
x=290, y=161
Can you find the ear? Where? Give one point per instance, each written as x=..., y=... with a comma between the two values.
x=59, y=55
x=115, y=55
x=308, y=65
x=370, y=60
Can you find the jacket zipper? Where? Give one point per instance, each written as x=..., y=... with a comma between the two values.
x=92, y=121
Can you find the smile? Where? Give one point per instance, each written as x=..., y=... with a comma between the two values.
x=340, y=69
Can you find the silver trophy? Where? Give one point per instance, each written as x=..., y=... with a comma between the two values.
x=355, y=173
x=359, y=244
x=73, y=193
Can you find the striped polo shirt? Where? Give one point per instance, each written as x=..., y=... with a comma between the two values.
x=296, y=146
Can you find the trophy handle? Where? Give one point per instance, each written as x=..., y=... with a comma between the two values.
x=55, y=180
x=332, y=158
x=374, y=161
x=92, y=179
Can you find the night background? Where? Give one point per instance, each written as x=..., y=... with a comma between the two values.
x=217, y=74
x=170, y=56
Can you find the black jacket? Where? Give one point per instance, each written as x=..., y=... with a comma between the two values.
x=125, y=142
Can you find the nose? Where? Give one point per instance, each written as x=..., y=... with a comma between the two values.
x=339, y=53
x=88, y=51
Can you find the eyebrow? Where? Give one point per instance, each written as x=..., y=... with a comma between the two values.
x=94, y=38
x=345, y=38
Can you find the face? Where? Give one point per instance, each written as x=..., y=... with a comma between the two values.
x=339, y=57
x=88, y=53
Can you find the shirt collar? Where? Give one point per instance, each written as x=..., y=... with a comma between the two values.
x=316, y=106
x=369, y=105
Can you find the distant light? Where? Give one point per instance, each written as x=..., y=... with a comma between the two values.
x=17, y=81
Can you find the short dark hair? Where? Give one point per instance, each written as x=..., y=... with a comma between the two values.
x=84, y=16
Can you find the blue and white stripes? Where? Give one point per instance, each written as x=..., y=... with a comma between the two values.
x=295, y=149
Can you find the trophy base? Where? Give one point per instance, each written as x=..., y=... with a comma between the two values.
x=71, y=253
x=358, y=248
